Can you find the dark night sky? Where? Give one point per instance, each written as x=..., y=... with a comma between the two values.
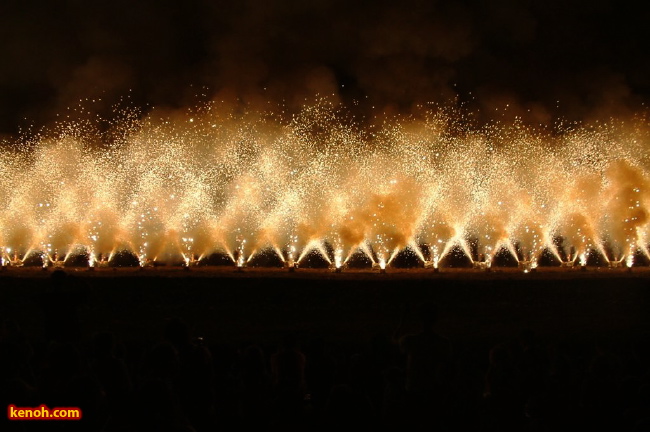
x=591, y=56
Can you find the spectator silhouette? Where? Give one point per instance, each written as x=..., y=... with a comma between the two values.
x=60, y=304
x=66, y=381
x=394, y=398
x=113, y=375
x=319, y=373
x=288, y=372
x=18, y=351
x=428, y=356
x=255, y=387
x=599, y=396
x=533, y=364
x=16, y=378
x=347, y=409
x=504, y=409
x=157, y=404
x=194, y=382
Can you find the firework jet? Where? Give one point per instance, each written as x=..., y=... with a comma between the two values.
x=211, y=180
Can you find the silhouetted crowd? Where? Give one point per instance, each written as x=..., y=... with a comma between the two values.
x=408, y=379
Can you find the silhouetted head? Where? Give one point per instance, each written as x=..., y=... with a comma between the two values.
x=64, y=359
x=428, y=314
x=58, y=278
x=10, y=328
x=527, y=338
x=162, y=360
x=177, y=332
x=500, y=355
x=289, y=341
x=104, y=344
x=253, y=359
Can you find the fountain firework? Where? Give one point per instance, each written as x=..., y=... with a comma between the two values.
x=211, y=180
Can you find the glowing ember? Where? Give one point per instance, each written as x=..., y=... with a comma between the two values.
x=527, y=266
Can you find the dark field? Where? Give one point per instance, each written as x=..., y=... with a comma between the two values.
x=564, y=349
x=226, y=306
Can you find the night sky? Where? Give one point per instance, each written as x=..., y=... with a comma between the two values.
x=543, y=59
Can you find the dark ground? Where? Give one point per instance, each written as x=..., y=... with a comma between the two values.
x=223, y=305
x=583, y=363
